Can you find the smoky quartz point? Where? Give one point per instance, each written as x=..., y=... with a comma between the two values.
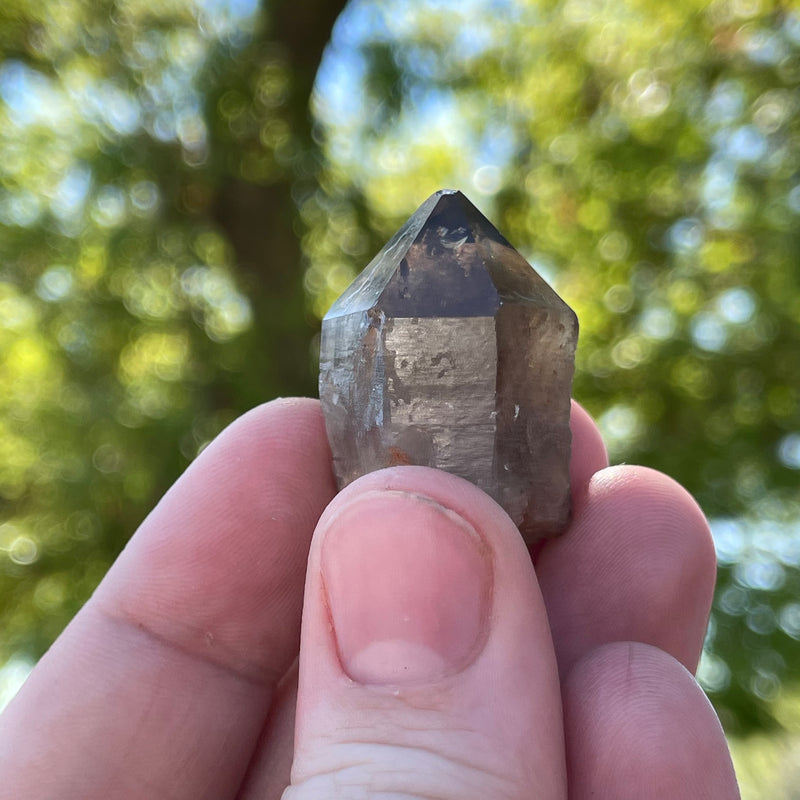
x=450, y=351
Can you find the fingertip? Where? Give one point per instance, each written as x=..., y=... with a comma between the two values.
x=424, y=632
x=670, y=522
x=638, y=725
x=419, y=537
x=293, y=424
x=408, y=584
x=451, y=491
x=222, y=556
x=641, y=543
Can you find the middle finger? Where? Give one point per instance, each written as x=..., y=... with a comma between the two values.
x=637, y=564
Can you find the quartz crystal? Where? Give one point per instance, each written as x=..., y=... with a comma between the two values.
x=450, y=351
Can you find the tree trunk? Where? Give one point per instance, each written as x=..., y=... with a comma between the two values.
x=260, y=218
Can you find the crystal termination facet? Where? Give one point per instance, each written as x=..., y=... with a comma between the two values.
x=450, y=351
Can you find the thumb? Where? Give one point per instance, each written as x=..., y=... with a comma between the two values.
x=426, y=665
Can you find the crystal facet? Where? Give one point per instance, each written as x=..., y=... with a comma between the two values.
x=450, y=351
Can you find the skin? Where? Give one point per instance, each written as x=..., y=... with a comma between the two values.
x=436, y=662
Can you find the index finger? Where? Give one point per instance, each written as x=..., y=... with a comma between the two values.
x=160, y=686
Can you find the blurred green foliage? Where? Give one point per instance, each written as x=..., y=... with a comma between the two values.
x=185, y=186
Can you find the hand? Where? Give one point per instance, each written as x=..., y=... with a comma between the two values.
x=433, y=662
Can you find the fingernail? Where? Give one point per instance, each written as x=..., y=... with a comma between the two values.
x=408, y=585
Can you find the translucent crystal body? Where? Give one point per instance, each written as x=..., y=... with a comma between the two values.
x=450, y=351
